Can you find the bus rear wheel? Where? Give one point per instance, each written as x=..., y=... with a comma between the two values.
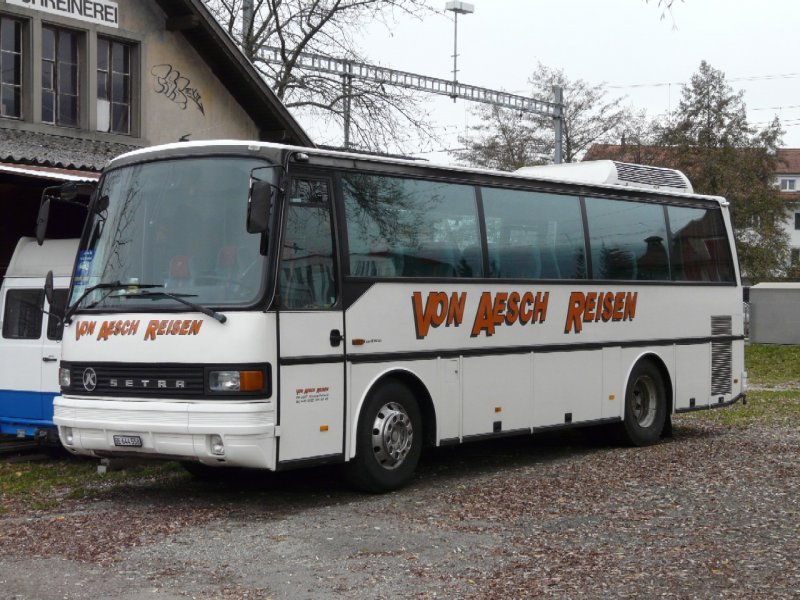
x=388, y=440
x=645, y=405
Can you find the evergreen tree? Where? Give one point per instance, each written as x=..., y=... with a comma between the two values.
x=709, y=138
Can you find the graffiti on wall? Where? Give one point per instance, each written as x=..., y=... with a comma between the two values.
x=173, y=85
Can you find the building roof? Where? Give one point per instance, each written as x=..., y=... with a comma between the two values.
x=232, y=68
x=788, y=161
x=51, y=173
x=35, y=148
x=631, y=153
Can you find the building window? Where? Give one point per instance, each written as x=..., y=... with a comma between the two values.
x=788, y=185
x=797, y=221
x=60, y=88
x=795, y=257
x=113, y=86
x=11, y=65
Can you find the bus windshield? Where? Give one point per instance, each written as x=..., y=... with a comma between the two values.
x=175, y=226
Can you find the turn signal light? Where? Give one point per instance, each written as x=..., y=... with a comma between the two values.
x=236, y=381
x=251, y=381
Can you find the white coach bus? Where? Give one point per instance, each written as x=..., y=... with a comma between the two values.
x=257, y=305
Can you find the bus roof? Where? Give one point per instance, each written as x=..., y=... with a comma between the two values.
x=32, y=260
x=601, y=173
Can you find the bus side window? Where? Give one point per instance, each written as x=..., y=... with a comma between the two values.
x=55, y=326
x=401, y=227
x=534, y=235
x=627, y=240
x=307, y=278
x=699, y=245
x=23, y=315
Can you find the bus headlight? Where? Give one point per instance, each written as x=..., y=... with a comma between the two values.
x=236, y=381
x=64, y=379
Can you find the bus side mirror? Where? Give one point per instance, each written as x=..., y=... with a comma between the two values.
x=48, y=288
x=41, y=221
x=70, y=191
x=259, y=207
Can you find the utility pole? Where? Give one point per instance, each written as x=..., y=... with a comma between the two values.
x=457, y=7
x=347, y=95
x=558, y=125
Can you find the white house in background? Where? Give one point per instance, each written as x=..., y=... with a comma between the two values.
x=787, y=180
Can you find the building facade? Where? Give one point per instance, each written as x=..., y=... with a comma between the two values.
x=85, y=80
x=787, y=180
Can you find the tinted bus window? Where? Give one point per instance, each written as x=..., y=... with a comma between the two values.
x=628, y=240
x=22, y=318
x=54, y=325
x=700, y=249
x=534, y=235
x=409, y=228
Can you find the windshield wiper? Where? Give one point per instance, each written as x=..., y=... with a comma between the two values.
x=179, y=298
x=111, y=286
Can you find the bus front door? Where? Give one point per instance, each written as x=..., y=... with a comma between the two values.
x=311, y=326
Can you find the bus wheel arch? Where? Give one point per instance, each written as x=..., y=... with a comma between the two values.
x=392, y=426
x=648, y=401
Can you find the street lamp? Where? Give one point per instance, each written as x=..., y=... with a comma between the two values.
x=457, y=7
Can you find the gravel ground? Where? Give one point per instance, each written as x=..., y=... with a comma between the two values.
x=712, y=513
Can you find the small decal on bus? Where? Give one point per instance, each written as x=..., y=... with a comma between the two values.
x=312, y=394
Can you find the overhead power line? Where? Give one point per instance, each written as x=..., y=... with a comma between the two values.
x=347, y=70
x=732, y=79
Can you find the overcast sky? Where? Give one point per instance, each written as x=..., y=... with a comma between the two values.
x=622, y=43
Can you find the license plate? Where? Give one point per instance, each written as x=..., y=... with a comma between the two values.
x=134, y=441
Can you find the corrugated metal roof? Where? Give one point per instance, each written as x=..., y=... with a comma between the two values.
x=53, y=173
x=35, y=148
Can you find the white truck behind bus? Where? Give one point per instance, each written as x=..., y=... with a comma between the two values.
x=30, y=346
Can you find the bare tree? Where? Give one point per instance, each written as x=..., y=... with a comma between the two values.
x=381, y=116
x=508, y=140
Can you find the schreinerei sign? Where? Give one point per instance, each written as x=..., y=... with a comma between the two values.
x=100, y=12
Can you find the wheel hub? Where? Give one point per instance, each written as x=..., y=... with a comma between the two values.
x=645, y=401
x=392, y=435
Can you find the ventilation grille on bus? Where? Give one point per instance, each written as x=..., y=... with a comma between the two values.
x=721, y=356
x=651, y=176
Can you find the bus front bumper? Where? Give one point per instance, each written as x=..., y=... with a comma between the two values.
x=218, y=433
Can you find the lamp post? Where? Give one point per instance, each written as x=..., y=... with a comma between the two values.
x=457, y=7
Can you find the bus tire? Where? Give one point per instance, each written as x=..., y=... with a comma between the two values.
x=645, y=405
x=388, y=440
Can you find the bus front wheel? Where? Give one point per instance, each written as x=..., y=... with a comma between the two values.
x=388, y=440
x=645, y=405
